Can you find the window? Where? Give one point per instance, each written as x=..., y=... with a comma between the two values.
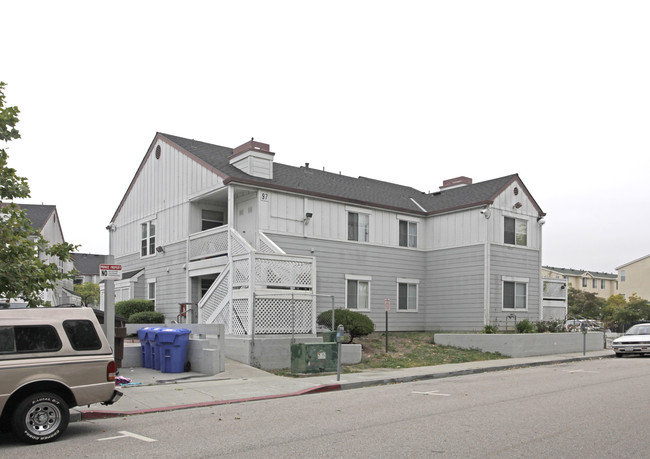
x=357, y=293
x=151, y=290
x=148, y=244
x=358, y=226
x=515, y=294
x=594, y=283
x=211, y=219
x=515, y=231
x=408, y=234
x=29, y=338
x=584, y=282
x=82, y=335
x=622, y=275
x=407, y=295
x=602, y=284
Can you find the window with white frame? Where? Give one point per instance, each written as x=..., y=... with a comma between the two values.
x=407, y=295
x=148, y=239
x=358, y=226
x=408, y=234
x=584, y=282
x=515, y=231
x=602, y=284
x=357, y=292
x=515, y=293
x=211, y=219
x=623, y=275
x=151, y=290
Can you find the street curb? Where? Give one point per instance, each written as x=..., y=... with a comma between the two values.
x=76, y=415
x=104, y=414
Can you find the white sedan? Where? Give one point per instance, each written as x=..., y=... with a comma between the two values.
x=635, y=341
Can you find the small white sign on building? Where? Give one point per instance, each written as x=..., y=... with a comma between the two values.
x=110, y=272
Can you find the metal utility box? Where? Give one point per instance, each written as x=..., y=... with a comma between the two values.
x=314, y=357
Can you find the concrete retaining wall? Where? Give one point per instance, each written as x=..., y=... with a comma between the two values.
x=524, y=344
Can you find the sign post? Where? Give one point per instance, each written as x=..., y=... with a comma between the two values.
x=109, y=273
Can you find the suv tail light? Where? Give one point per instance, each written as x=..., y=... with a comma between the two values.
x=111, y=369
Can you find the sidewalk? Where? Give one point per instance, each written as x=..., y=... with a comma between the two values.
x=152, y=391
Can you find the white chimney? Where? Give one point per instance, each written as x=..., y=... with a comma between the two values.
x=254, y=158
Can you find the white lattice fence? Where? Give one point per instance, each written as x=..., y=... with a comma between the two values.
x=278, y=314
x=240, y=317
x=277, y=272
x=209, y=243
x=213, y=298
x=241, y=269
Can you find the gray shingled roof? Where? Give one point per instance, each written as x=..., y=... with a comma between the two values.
x=38, y=214
x=581, y=272
x=88, y=263
x=361, y=190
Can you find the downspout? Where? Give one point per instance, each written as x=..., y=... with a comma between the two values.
x=486, y=268
x=540, y=222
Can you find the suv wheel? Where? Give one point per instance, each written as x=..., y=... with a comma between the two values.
x=40, y=418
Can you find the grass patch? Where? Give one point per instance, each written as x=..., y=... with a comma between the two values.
x=405, y=350
x=413, y=349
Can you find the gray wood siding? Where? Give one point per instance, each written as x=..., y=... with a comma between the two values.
x=514, y=262
x=455, y=288
x=161, y=192
x=169, y=271
x=384, y=265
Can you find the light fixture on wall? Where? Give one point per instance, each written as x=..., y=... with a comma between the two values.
x=308, y=216
x=160, y=249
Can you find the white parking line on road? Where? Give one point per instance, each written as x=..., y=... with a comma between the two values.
x=126, y=434
x=432, y=392
x=580, y=371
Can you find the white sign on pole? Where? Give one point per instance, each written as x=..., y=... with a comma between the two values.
x=110, y=272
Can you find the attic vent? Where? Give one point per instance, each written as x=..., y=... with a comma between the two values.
x=158, y=149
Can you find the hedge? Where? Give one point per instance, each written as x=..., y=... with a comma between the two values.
x=129, y=307
x=354, y=323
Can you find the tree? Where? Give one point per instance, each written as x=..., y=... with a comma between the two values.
x=89, y=293
x=585, y=305
x=23, y=274
x=621, y=313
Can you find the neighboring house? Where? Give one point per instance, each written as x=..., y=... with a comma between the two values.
x=45, y=221
x=634, y=278
x=602, y=284
x=87, y=267
x=225, y=229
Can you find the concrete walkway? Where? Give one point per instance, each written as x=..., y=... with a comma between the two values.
x=152, y=391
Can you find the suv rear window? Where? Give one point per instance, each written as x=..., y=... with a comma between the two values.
x=82, y=335
x=29, y=338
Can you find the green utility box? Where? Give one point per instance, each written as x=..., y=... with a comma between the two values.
x=314, y=357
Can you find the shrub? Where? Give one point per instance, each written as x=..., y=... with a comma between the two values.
x=129, y=307
x=354, y=323
x=551, y=326
x=490, y=329
x=147, y=317
x=525, y=326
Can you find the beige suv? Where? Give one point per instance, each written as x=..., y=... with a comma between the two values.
x=51, y=359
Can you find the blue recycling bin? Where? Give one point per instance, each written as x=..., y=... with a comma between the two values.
x=152, y=338
x=172, y=345
x=145, y=346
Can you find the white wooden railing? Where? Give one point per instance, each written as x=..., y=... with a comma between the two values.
x=264, y=284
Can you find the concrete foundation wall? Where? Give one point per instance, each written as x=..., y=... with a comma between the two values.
x=524, y=344
x=265, y=352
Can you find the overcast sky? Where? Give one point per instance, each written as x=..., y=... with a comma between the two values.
x=411, y=92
